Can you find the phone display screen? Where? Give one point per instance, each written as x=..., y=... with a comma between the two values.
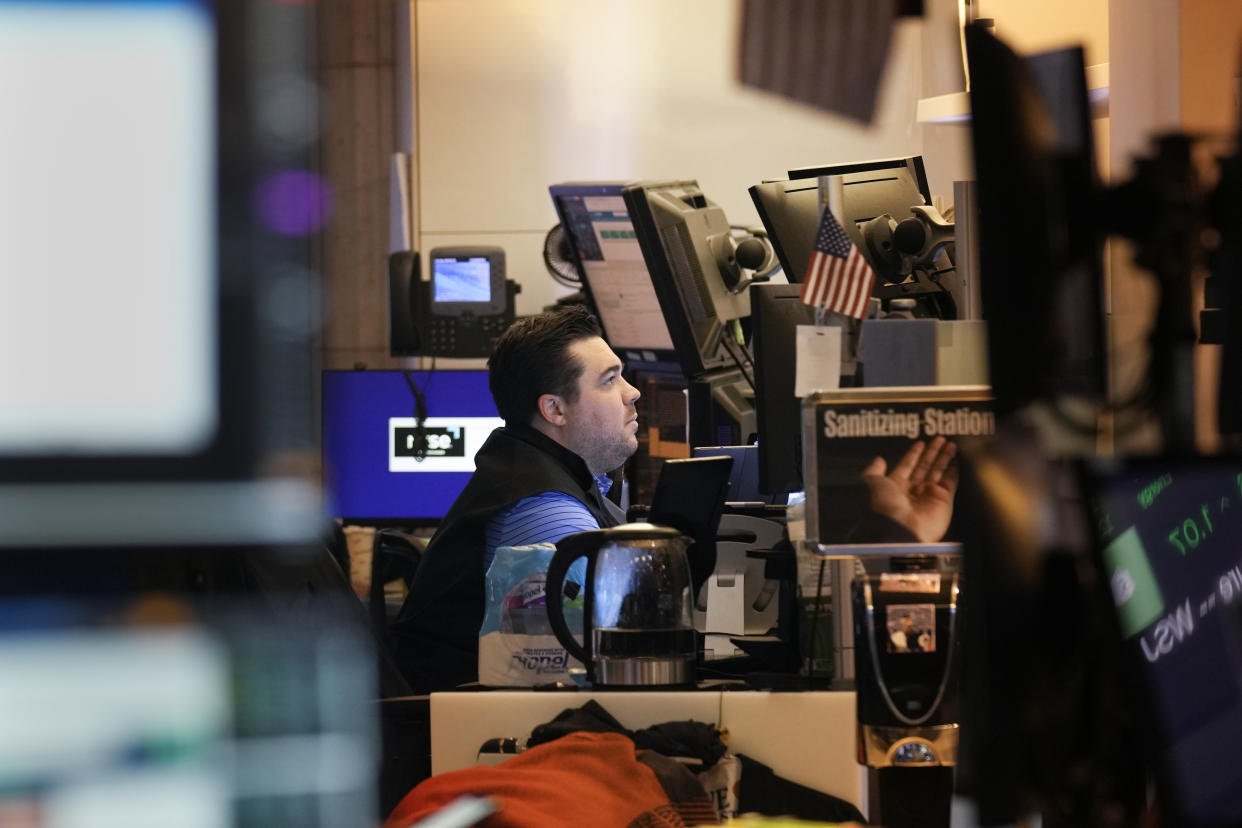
x=462, y=280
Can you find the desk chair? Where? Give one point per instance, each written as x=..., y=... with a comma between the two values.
x=394, y=556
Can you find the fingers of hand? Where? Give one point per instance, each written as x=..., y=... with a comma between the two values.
x=949, y=479
x=875, y=467
x=938, y=458
x=924, y=470
x=909, y=461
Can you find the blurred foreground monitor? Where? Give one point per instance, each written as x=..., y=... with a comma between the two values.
x=1169, y=533
x=158, y=315
x=1040, y=239
x=145, y=714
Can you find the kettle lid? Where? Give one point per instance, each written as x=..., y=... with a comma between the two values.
x=583, y=541
x=641, y=531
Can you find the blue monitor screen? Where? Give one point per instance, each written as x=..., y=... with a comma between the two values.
x=371, y=473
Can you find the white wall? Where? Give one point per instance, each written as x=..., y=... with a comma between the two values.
x=516, y=95
x=1051, y=24
x=1027, y=27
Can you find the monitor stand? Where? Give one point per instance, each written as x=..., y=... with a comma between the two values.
x=738, y=600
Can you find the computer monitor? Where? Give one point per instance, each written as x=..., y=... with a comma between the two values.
x=1040, y=237
x=875, y=187
x=372, y=474
x=776, y=312
x=869, y=190
x=744, y=476
x=681, y=233
x=789, y=211
x=194, y=377
x=1168, y=560
x=610, y=264
x=1103, y=647
x=197, y=713
x=700, y=269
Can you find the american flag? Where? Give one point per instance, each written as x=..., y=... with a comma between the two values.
x=838, y=277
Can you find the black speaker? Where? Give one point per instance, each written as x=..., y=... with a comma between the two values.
x=403, y=276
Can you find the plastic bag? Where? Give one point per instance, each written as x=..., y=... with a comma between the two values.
x=517, y=647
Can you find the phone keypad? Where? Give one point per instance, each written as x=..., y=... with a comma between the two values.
x=464, y=336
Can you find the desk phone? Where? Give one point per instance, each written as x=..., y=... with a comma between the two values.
x=461, y=310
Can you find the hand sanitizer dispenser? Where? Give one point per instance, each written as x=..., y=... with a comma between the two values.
x=906, y=653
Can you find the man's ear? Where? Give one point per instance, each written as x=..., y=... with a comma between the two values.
x=551, y=409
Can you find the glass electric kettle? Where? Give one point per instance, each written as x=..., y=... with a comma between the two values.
x=637, y=626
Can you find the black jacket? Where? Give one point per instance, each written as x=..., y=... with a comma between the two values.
x=436, y=635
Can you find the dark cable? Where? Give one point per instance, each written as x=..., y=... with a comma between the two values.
x=748, y=369
x=810, y=645
x=750, y=363
x=420, y=410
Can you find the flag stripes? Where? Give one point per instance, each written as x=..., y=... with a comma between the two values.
x=838, y=278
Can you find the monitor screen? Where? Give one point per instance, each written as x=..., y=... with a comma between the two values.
x=372, y=473
x=140, y=303
x=467, y=280
x=195, y=715
x=611, y=266
x=189, y=212
x=1170, y=534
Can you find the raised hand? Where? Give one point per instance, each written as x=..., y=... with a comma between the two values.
x=918, y=492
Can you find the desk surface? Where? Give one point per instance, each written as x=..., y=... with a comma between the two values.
x=806, y=737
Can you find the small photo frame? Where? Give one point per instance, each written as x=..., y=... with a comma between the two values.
x=911, y=628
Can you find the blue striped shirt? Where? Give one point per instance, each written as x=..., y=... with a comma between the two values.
x=543, y=518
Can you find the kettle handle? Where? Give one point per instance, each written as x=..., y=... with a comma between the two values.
x=558, y=567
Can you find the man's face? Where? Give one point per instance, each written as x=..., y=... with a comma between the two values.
x=601, y=426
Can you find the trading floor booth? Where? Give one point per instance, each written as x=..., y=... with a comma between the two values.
x=707, y=318
x=846, y=644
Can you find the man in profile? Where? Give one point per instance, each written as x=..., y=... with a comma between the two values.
x=570, y=420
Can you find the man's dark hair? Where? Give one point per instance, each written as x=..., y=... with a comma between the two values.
x=532, y=358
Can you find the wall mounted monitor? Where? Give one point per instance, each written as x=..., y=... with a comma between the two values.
x=612, y=269
x=371, y=472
